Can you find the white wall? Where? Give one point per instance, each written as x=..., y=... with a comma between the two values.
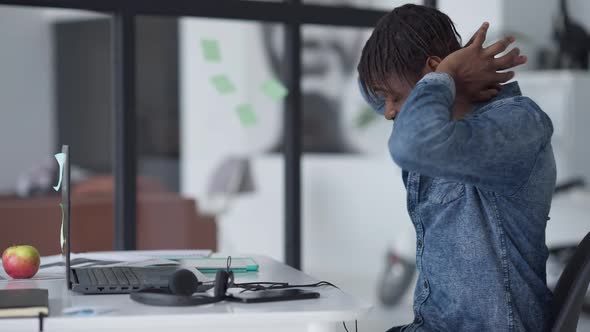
x=27, y=118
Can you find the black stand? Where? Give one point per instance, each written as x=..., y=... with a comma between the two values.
x=41, y=322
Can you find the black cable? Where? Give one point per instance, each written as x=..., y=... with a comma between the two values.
x=41, y=322
x=356, y=328
x=256, y=283
x=269, y=285
x=258, y=286
x=284, y=284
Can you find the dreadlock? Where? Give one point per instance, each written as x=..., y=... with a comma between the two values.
x=401, y=43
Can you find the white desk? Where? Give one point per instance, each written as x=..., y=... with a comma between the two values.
x=323, y=314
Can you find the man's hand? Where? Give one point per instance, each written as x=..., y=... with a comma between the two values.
x=476, y=69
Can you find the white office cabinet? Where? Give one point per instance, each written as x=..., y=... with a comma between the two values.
x=565, y=97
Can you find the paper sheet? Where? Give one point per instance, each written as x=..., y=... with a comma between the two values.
x=61, y=158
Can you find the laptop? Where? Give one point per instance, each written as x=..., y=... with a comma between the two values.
x=104, y=279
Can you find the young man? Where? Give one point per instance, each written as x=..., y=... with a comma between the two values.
x=478, y=168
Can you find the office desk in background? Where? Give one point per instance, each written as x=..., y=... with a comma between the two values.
x=323, y=314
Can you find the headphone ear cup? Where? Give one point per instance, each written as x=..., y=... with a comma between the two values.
x=222, y=279
x=183, y=282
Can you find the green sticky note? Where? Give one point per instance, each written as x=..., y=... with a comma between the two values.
x=222, y=84
x=274, y=89
x=211, y=50
x=246, y=115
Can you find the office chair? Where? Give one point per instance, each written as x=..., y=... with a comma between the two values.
x=571, y=288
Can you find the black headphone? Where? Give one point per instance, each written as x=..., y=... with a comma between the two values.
x=181, y=287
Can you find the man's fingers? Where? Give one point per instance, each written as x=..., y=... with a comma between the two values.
x=472, y=38
x=503, y=77
x=509, y=60
x=499, y=46
x=480, y=36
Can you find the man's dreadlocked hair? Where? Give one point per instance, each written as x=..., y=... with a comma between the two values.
x=401, y=43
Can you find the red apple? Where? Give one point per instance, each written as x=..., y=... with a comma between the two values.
x=21, y=262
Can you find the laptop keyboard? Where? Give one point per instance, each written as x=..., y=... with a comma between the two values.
x=112, y=276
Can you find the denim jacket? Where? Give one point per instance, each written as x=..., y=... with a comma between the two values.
x=478, y=193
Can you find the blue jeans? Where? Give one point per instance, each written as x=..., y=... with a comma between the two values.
x=395, y=329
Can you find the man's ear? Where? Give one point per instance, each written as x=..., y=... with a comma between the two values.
x=431, y=64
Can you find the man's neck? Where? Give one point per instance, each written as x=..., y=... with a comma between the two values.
x=460, y=108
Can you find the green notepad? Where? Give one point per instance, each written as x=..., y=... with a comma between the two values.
x=213, y=264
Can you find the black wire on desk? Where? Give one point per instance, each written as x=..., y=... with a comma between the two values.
x=264, y=285
x=268, y=285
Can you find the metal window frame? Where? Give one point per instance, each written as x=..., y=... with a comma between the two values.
x=292, y=13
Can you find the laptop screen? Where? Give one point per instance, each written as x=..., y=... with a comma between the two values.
x=65, y=209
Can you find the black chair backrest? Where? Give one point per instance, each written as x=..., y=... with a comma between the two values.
x=571, y=288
